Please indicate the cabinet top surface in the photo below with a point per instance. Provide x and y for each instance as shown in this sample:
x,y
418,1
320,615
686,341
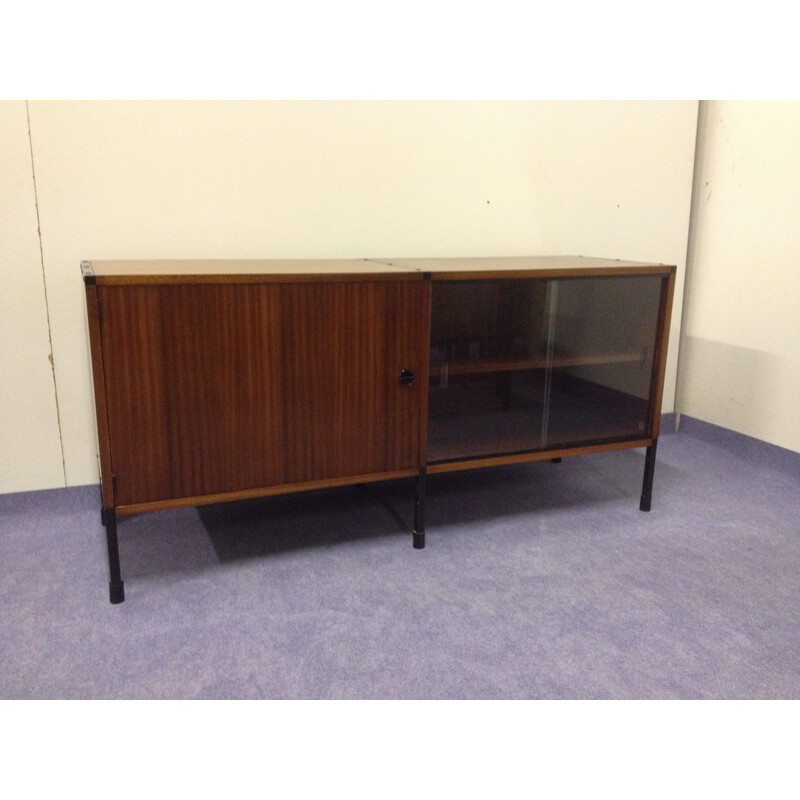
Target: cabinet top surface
x,y
227,267
523,264
224,270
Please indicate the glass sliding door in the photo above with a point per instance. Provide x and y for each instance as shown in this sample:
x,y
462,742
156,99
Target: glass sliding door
x,y
488,355
601,362
525,364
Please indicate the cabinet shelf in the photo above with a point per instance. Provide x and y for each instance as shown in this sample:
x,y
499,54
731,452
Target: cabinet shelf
x,y
490,365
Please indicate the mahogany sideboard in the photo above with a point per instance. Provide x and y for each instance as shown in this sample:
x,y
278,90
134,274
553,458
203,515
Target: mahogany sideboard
x,y
224,380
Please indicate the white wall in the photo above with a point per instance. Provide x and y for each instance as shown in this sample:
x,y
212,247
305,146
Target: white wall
x,y
328,179
740,357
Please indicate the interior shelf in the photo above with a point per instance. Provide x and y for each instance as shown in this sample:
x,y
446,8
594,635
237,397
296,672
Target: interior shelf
x,y
489,365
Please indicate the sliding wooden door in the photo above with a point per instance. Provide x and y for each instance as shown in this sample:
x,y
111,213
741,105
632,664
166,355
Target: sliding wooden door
x,y
215,388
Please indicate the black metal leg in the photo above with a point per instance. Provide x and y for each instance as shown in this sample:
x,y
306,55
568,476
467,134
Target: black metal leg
x,y
419,510
647,483
116,588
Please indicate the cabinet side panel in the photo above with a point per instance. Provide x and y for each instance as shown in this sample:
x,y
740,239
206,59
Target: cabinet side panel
x,y
660,365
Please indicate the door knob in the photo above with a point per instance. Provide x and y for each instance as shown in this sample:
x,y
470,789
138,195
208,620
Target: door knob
x,y
406,377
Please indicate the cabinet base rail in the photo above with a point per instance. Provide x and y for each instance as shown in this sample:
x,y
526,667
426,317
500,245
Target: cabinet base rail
x,y
108,517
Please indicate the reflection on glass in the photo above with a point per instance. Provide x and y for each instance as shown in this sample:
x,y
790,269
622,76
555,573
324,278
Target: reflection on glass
x,y
530,364
602,364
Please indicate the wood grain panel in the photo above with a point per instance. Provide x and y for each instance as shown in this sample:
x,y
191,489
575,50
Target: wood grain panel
x,y
99,388
542,455
215,389
406,335
135,391
223,390
193,389
345,345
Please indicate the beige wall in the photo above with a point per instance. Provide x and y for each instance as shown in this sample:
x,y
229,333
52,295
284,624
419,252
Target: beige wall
x,y
311,179
740,355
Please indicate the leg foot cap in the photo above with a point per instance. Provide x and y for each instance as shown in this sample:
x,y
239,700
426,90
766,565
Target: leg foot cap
x,y
116,592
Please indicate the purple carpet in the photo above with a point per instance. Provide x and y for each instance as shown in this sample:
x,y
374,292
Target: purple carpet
x,y
537,581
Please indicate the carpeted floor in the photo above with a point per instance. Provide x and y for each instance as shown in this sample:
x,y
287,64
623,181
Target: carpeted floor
x,y
537,581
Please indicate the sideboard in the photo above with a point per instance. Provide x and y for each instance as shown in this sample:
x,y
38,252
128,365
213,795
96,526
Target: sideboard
x,y
220,380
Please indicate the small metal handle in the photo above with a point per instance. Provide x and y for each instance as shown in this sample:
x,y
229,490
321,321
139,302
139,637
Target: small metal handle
x,y
406,377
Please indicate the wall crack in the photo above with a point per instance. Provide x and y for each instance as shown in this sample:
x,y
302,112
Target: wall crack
x,y
46,300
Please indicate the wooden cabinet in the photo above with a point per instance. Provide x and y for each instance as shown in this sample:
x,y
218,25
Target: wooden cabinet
x,y
222,380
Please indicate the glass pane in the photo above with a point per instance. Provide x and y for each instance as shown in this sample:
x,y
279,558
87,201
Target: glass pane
x,y
604,336
488,367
